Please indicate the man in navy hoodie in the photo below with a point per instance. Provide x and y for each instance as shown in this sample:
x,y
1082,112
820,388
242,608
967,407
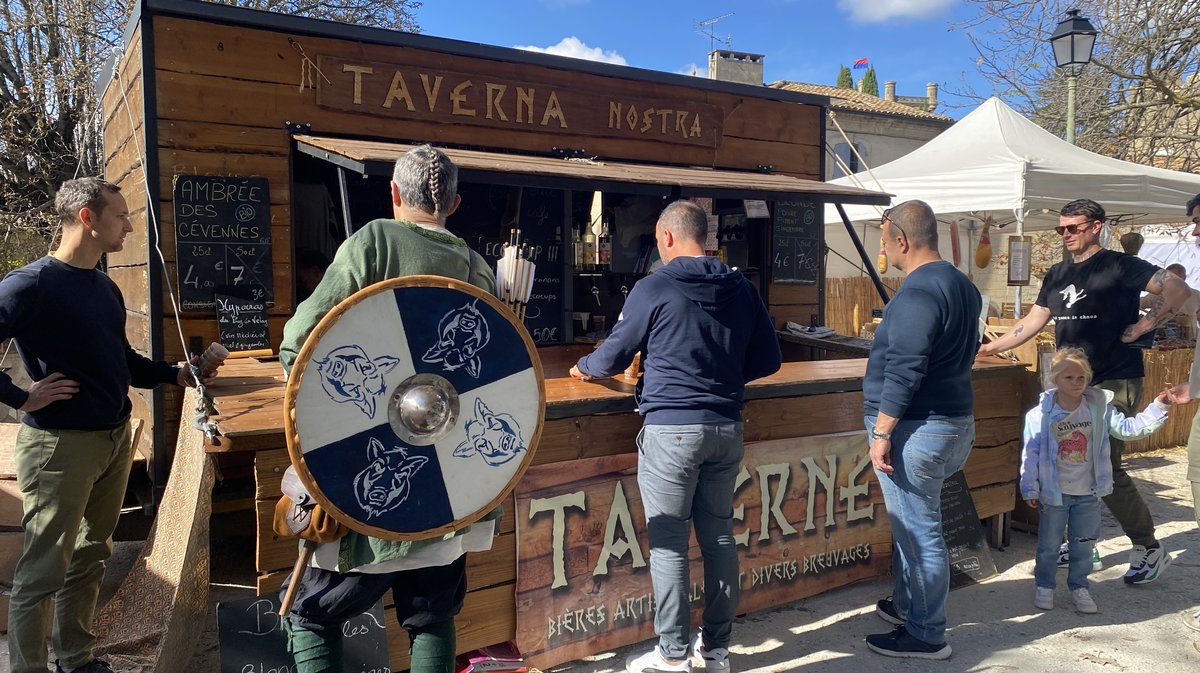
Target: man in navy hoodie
x,y
704,332
918,409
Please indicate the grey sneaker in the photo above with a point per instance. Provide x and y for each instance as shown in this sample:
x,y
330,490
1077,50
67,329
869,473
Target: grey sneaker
x,y
653,662
1043,598
1146,564
715,660
1083,601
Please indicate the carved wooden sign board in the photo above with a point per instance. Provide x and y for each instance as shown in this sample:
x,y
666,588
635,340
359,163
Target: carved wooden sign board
x,y
808,516
222,238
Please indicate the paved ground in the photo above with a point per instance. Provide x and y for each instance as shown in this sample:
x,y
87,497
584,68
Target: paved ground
x,y
995,627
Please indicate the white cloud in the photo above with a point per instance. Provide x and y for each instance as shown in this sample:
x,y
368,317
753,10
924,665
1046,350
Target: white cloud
x,y
573,47
694,70
874,11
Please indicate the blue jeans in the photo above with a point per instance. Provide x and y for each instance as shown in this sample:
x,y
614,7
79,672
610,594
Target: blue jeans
x,y
686,475
924,453
1079,517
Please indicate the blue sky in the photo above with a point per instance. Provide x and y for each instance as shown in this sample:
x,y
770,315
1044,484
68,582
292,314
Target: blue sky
x,y
909,41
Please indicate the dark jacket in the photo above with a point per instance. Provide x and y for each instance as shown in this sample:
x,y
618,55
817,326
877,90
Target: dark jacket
x,y
704,332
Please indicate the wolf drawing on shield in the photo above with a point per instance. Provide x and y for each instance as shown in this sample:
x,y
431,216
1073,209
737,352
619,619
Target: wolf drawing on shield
x,y
385,483
462,333
496,437
348,374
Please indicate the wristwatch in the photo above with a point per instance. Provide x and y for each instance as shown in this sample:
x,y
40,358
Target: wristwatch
x,y
875,434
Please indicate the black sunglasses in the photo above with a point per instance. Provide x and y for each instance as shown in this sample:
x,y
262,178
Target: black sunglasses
x,y
887,217
1073,228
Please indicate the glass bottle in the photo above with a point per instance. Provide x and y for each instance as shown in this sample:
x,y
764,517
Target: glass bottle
x,y
589,249
604,245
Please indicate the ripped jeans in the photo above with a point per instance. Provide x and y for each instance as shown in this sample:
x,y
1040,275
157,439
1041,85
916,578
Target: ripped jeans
x,y
1079,517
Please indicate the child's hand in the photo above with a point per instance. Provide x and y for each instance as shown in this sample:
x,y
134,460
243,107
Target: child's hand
x,y
1164,397
1032,503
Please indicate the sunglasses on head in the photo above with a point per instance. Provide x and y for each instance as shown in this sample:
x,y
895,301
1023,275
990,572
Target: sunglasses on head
x,y
1062,229
887,218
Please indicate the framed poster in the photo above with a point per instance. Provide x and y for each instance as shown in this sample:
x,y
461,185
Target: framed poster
x,y
1020,249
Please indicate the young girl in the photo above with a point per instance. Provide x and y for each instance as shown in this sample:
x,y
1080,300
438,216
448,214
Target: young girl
x,y
1065,466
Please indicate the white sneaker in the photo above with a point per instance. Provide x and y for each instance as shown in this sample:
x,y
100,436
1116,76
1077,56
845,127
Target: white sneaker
x,y
715,660
653,662
1064,555
1083,601
1043,598
1146,564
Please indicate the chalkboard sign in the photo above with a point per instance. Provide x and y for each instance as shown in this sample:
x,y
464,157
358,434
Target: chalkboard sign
x,y
222,237
251,637
970,558
241,322
540,219
796,242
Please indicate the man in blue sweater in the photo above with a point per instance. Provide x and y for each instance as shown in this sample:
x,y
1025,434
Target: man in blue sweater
x,y
918,406
73,450
705,333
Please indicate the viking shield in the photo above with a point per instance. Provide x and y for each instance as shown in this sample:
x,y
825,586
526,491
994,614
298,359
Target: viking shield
x,y
414,407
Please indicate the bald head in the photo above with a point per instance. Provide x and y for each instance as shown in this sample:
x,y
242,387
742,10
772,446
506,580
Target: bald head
x,y
917,221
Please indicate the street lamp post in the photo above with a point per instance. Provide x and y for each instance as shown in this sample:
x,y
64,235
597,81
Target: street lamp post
x,y
1072,41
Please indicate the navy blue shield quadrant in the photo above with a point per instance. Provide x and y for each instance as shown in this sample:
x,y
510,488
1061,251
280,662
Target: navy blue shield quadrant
x,y
459,337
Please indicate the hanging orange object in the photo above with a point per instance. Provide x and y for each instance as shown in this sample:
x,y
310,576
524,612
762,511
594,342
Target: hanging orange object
x,y
955,252
983,253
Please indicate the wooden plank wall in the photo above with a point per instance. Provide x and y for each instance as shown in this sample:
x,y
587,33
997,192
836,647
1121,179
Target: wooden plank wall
x,y
123,127
224,93
488,616
793,302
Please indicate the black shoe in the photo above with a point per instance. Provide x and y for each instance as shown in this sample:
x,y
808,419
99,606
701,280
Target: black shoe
x,y
886,609
93,666
900,643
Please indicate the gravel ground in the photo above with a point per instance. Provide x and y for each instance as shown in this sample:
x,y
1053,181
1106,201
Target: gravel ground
x,y
994,626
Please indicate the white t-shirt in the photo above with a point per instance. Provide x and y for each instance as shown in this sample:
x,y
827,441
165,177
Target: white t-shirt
x,y
1073,433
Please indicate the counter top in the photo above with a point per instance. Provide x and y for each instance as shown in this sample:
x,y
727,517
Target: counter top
x,y
248,393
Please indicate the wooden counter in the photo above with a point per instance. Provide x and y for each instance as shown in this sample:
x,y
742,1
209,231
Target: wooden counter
x,y
589,423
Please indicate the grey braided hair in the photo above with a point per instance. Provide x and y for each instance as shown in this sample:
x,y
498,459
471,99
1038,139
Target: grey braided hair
x,y
427,179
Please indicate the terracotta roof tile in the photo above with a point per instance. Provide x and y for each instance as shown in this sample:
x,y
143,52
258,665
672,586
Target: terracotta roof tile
x,y
850,99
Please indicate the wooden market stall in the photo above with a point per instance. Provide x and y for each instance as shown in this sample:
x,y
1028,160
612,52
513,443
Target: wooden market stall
x,y
248,142
245,142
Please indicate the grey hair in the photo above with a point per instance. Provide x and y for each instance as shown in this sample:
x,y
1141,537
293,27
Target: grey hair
x,y
74,195
918,222
427,179
686,220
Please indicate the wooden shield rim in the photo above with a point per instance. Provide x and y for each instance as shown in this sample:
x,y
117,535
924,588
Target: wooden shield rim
x,y
296,375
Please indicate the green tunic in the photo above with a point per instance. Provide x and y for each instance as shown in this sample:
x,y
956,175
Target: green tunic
x,y
381,250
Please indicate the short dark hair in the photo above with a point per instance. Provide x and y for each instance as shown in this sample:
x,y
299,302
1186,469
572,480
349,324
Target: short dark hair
x,y
1086,207
918,222
686,220
1191,205
1178,269
80,193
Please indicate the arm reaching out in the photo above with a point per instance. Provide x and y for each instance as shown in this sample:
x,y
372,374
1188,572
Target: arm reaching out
x,y
1023,331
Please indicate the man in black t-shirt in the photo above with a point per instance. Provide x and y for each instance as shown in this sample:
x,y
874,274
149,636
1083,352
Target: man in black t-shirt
x,y
1093,299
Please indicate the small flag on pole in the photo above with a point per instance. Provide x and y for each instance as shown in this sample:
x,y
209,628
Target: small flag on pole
x,y
861,63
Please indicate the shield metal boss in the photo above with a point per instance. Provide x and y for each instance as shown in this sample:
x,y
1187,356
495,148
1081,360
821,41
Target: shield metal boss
x,y
414,407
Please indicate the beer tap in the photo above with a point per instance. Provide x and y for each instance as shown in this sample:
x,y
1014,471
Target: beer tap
x,y
624,294
596,293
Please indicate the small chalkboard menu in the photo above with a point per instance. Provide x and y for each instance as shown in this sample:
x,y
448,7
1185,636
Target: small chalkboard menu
x,y
251,637
241,322
970,558
222,237
796,241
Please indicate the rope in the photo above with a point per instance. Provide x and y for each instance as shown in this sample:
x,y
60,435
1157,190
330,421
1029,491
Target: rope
x,y
204,409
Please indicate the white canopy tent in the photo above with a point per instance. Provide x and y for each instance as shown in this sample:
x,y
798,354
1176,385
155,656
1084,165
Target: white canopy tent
x,y
996,162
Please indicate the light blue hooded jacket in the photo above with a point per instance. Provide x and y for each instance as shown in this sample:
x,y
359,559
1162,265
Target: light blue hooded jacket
x,y
1039,457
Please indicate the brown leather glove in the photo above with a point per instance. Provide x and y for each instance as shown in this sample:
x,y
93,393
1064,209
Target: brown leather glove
x,y
309,522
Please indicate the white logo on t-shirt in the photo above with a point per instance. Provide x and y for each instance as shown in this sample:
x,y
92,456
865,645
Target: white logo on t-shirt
x,y
1071,295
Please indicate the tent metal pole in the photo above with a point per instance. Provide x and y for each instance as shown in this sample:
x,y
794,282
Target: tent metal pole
x,y
1017,312
862,252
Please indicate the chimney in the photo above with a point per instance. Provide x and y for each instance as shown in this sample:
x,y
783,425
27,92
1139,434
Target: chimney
x,y
735,66
931,92
889,90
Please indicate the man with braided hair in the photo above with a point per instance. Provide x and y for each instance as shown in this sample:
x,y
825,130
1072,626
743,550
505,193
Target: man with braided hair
x,y
427,578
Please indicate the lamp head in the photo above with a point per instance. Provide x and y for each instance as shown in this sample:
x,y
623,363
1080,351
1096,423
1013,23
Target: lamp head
x,y
1072,41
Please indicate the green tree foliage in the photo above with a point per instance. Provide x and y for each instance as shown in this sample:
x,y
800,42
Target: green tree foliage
x,y
51,53
869,83
845,80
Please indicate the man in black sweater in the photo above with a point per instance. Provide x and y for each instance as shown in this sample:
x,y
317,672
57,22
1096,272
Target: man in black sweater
x,y
705,333
73,450
918,406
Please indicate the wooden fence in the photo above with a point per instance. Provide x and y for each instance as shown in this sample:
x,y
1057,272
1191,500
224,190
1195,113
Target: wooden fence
x,y
847,297
1166,367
